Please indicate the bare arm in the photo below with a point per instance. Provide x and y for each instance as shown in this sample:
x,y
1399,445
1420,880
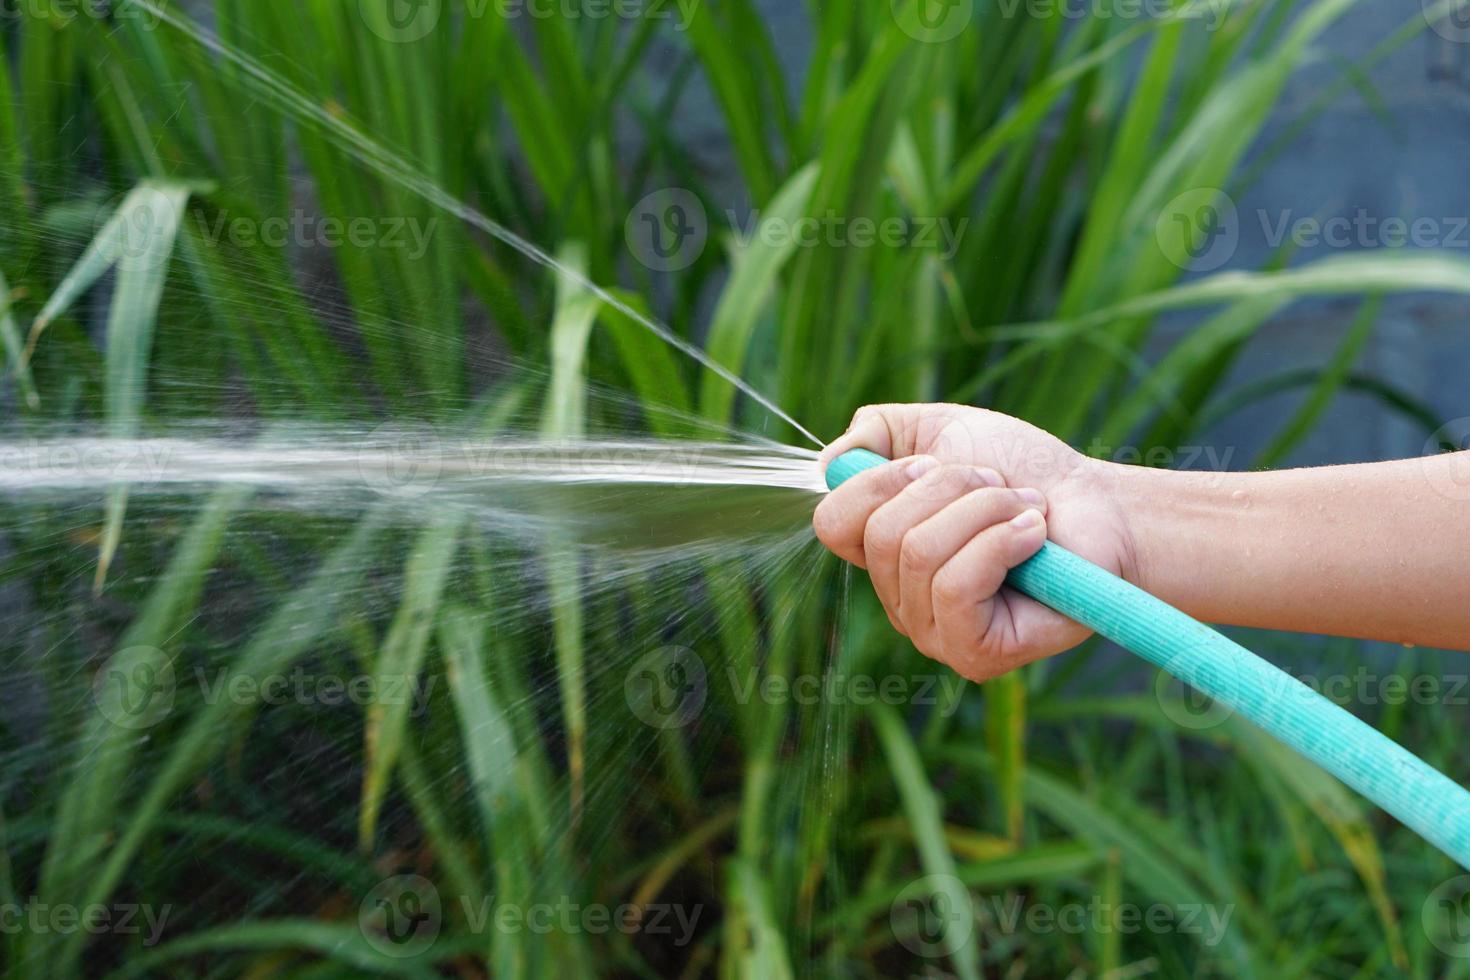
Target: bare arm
x,y
1374,550
1378,550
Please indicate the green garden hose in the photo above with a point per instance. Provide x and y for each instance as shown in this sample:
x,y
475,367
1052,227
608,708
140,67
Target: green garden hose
x,y
1422,798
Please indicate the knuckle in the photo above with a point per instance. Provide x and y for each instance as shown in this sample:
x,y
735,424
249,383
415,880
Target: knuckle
x,y
945,482
917,552
826,522
959,478
950,592
880,538
996,503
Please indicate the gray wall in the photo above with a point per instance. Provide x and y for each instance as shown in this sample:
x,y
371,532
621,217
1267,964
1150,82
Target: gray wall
x,y
1401,156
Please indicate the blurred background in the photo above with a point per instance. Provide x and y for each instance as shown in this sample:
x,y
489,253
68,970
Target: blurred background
x,y
393,722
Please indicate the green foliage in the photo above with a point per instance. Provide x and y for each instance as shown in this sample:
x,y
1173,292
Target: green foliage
x,y
1051,151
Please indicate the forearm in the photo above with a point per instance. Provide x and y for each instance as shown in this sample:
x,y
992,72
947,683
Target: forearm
x,y
1379,551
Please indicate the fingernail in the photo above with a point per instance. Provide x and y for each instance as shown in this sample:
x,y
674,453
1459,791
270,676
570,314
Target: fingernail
x,y
1027,520
990,477
920,466
1031,496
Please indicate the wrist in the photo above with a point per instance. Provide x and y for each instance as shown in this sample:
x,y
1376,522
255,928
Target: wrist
x,y
1191,535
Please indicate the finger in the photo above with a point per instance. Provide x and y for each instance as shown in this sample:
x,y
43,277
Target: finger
x,y
927,547
888,430
920,500
965,588
843,514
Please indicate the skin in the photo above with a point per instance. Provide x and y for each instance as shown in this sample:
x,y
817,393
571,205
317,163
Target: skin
x,y
1376,551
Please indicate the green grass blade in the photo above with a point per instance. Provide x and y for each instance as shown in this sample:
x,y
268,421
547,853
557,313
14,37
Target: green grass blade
x,y
1005,735
565,418
756,947
300,620
1332,378
1340,812
151,222
922,805
399,663
754,269
15,357
652,367
106,752
341,942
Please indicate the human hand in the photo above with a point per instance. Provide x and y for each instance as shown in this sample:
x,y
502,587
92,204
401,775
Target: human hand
x,y
970,494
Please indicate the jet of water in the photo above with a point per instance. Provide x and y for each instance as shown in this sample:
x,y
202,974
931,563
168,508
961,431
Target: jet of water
x,y
629,495
404,461
397,168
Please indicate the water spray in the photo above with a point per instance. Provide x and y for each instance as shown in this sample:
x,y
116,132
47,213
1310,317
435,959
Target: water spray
x,y
1421,797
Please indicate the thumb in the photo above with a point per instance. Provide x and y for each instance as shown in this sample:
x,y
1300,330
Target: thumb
x,y
893,431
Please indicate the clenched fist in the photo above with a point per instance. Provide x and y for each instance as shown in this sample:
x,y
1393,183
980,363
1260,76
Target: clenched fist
x,y
970,494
